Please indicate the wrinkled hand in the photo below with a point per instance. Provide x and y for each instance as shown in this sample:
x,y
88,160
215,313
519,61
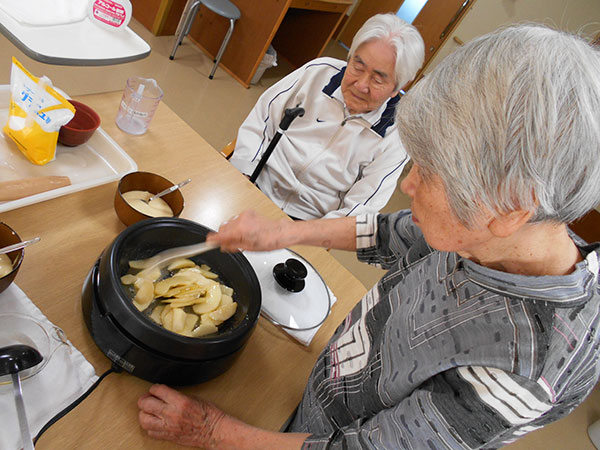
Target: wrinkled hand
x,y
250,231
171,416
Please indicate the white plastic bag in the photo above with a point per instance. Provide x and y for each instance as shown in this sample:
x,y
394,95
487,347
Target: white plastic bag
x,y
269,60
35,114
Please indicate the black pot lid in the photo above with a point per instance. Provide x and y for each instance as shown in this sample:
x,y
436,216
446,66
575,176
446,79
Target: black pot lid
x,y
294,296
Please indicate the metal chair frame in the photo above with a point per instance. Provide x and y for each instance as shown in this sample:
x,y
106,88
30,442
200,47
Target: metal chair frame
x,y
185,25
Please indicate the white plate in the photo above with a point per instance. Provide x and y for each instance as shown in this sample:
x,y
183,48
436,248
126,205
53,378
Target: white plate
x,y
302,310
99,161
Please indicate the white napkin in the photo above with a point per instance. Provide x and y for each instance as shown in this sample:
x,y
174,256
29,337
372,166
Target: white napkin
x,y
306,337
45,12
64,379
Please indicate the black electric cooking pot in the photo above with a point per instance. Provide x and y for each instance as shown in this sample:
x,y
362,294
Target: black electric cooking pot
x,y
140,346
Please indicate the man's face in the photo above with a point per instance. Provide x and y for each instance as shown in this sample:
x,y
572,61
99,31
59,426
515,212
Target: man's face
x,y
432,214
369,80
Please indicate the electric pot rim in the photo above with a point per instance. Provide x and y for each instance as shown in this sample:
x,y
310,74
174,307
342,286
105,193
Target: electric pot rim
x,y
122,310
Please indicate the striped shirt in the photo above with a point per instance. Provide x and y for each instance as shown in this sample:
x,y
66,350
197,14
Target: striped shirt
x,y
446,354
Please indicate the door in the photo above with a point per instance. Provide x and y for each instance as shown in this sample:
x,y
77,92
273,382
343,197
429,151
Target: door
x,y
435,21
361,12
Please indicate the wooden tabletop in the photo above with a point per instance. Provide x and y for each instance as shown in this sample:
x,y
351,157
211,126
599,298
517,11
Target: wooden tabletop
x,y
266,382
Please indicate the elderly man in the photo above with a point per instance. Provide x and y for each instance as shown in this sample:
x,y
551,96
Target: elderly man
x,y
485,327
344,156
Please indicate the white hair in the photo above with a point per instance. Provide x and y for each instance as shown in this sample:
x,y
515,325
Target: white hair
x,y
511,121
402,36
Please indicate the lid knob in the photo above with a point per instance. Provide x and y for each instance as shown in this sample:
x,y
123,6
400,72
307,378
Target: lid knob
x,y
290,275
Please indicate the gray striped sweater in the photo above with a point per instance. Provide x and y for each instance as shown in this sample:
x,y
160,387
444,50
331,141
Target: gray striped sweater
x,y
446,354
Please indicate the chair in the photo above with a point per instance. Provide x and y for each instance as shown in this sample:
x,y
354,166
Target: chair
x,y
227,151
223,8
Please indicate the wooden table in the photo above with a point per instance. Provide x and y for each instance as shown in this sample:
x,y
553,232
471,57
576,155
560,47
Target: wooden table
x,y
298,29
265,383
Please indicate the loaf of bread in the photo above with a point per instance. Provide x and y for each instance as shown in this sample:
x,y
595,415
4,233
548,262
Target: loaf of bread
x,y
15,189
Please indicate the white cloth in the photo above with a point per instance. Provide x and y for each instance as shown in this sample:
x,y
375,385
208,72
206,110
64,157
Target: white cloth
x,y
327,164
306,337
45,12
65,377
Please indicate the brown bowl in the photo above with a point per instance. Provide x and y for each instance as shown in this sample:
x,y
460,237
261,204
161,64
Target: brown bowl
x,y
81,127
144,181
9,237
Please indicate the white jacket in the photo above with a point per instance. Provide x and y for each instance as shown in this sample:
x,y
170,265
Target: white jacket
x,y
328,164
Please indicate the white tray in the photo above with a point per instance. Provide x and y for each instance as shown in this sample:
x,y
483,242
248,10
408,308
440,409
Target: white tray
x,y
99,161
79,43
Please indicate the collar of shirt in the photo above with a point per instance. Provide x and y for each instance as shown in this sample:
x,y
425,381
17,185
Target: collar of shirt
x,y
567,290
372,116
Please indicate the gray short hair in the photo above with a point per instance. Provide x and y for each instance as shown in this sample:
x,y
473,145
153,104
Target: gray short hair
x,y
511,121
402,36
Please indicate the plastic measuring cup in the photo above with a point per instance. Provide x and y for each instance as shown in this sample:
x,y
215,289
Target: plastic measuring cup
x,y
140,100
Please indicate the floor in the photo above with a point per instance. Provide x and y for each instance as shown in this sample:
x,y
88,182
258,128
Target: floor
x,y
215,109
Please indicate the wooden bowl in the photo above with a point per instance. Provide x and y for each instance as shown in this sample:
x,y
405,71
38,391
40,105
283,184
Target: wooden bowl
x,y
81,127
8,237
144,181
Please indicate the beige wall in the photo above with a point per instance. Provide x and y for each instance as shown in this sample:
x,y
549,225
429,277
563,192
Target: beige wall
x,y
581,16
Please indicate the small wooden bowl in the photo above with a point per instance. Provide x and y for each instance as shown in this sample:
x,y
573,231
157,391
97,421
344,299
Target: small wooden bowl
x,y
144,181
8,237
81,127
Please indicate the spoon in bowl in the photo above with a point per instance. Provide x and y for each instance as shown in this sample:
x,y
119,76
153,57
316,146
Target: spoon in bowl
x,y
14,359
18,245
168,190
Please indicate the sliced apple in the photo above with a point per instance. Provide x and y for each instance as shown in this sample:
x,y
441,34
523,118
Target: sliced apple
x,y
181,263
223,313
128,279
204,329
213,299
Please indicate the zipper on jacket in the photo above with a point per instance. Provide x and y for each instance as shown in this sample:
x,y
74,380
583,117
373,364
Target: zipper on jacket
x,y
332,140
329,144
346,119
339,130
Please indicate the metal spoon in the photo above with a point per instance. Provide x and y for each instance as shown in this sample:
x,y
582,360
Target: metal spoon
x,y
18,245
14,359
169,190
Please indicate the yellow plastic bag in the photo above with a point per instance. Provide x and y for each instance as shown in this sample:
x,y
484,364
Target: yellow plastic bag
x,y
35,115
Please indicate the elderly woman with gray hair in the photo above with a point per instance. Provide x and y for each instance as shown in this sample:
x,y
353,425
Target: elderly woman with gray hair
x,y
343,157
485,326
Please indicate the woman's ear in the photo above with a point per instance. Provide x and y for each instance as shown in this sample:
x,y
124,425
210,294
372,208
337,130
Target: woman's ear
x,y
506,224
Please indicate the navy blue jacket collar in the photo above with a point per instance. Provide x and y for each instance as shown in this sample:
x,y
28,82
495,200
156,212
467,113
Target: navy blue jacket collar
x,y
387,117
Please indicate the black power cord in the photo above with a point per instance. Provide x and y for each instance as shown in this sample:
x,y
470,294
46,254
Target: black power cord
x,y
81,398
